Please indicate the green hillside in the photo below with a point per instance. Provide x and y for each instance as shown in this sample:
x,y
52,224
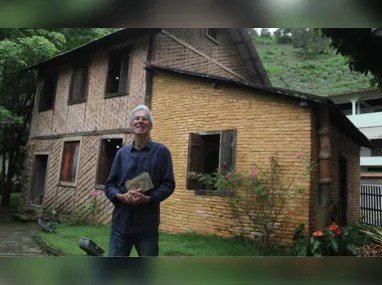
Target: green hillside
x,y
320,75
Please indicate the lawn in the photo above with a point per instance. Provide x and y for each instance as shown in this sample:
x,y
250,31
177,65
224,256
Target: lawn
x,y
67,237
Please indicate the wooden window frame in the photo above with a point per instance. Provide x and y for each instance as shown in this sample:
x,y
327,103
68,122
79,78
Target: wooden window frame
x,y
108,137
231,158
125,63
85,79
42,92
63,183
211,38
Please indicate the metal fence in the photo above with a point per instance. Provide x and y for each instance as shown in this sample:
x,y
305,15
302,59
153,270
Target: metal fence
x,y
371,204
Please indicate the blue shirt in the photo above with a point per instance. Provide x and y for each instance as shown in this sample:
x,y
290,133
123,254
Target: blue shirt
x,y
129,162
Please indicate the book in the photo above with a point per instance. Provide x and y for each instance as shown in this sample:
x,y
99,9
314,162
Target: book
x,y
142,181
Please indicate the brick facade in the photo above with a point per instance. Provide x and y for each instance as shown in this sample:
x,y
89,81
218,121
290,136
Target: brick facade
x,y
265,125
342,145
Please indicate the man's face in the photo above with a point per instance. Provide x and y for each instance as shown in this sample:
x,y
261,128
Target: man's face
x,y
141,124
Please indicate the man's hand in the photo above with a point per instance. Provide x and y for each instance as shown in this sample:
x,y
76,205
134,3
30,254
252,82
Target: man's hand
x,y
134,197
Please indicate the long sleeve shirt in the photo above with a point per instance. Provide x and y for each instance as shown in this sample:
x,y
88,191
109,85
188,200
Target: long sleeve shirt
x,y
129,162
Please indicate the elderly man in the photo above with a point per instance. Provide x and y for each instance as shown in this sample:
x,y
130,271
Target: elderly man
x,y
136,215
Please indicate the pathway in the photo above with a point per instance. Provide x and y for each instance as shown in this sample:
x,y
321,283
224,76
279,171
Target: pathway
x,y
16,239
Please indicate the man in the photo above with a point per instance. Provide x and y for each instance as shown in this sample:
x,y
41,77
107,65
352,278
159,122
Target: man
x,y
136,215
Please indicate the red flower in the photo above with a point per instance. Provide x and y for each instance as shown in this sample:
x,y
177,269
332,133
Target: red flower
x,y
95,194
335,228
225,163
298,156
318,234
229,190
228,175
315,222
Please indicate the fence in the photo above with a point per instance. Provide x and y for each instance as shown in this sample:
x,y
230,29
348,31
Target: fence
x,y
371,204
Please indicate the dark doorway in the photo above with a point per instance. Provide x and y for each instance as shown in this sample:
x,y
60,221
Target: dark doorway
x,y
343,190
38,179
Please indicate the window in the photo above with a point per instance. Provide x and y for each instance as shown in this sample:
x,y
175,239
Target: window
x,y
209,152
212,34
109,148
47,92
118,73
69,161
79,84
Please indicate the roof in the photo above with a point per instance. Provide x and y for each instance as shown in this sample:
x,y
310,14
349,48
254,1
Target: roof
x,y
371,175
105,42
240,38
370,90
337,117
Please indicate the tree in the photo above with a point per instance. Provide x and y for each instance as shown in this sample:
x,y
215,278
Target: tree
x,y
265,34
360,47
20,48
253,33
306,39
283,36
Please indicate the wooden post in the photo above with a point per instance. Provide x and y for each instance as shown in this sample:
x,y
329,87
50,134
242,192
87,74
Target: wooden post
x,y
325,158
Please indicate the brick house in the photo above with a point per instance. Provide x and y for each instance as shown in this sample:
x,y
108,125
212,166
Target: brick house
x,y
83,97
205,88
221,120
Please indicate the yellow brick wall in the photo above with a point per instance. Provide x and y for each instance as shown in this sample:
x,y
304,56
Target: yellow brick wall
x,y
264,124
340,143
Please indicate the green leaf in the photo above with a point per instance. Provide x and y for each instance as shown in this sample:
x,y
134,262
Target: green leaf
x,y
333,243
302,251
316,245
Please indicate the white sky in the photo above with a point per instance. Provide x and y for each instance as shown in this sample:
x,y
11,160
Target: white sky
x,y
271,29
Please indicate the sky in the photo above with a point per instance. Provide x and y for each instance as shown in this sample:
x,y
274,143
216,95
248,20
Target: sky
x,y
271,29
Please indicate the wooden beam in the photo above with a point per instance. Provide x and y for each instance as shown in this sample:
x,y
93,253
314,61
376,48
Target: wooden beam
x,y
83,134
202,54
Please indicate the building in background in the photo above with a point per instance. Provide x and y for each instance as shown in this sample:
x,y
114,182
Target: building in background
x,y
364,109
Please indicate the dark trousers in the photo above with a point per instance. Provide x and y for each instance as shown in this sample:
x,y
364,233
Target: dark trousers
x,y
146,244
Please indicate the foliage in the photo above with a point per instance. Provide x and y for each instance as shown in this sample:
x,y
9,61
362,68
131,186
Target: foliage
x,y
7,118
257,198
375,248
319,74
332,240
361,49
283,36
307,40
265,34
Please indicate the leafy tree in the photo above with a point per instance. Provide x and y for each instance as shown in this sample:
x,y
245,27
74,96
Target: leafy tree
x,y
265,34
307,39
283,36
360,47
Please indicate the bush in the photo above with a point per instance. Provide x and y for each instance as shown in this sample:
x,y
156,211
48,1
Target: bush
x,y
256,197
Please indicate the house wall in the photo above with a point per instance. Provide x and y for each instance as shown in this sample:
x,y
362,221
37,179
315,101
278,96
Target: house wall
x,y
64,199
172,53
97,113
265,125
342,144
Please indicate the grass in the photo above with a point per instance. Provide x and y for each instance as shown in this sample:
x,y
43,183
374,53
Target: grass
x,y
14,201
66,241
318,74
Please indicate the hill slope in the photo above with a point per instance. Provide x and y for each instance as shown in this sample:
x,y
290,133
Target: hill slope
x,y
320,75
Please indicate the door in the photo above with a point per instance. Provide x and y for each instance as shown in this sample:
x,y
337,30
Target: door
x,y
39,179
343,190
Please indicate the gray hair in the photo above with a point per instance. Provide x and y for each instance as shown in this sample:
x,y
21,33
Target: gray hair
x,y
141,108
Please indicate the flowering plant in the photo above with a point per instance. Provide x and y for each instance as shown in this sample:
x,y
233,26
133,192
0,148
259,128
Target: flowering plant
x,y
319,243
257,197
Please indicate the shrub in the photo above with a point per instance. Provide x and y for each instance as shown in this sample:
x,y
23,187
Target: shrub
x,y
256,197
